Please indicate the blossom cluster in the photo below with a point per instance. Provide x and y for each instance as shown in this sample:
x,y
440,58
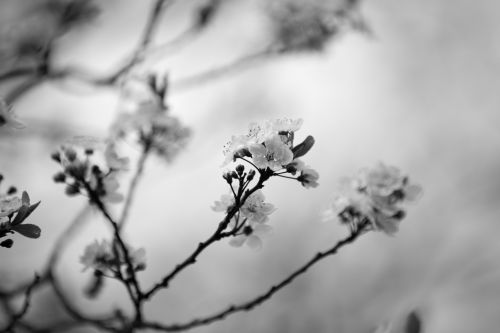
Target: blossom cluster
x,y
305,25
270,147
150,123
373,199
101,256
249,225
13,212
90,167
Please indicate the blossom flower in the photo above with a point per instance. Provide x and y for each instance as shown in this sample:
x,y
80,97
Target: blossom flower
x,y
9,204
155,128
255,209
251,235
7,117
374,198
272,154
257,134
83,171
100,256
308,177
305,25
97,255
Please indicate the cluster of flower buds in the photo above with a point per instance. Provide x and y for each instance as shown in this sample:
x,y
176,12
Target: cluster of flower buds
x,y
105,257
306,25
90,167
271,150
149,122
373,199
7,116
249,224
13,212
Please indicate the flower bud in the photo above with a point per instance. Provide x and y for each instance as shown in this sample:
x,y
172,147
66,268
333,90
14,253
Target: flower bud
x,y
11,190
234,175
227,177
72,190
239,169
56,156
247,230
70,154
59,177
251,174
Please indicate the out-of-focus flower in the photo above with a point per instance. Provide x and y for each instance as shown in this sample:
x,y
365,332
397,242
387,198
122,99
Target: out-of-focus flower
x,y
272,153
306,25
251,235
90,166
151,125
7,116
100,256
374,198
255,209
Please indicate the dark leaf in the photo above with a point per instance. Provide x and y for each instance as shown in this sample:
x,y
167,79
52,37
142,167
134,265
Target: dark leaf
x,y
302,149
413,323
23,213
28,230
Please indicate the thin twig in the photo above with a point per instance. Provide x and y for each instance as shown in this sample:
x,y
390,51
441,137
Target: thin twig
x,y
216,236
220,72
249,305
27,298
133,186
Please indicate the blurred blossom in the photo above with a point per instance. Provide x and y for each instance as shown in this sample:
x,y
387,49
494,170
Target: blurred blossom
x,y
147,120
308,177
90,166
305,25
251,236
7,116
374,197
255,209
100,256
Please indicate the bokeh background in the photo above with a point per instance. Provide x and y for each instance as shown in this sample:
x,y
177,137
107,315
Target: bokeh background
x,y
420,91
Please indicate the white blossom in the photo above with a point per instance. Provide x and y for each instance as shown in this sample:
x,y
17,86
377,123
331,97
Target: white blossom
x,y
273,153
97,255
255,209
252,236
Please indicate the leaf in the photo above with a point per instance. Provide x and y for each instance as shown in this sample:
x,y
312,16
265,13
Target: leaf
x,y
23,213
413,323
302,148
28,230
25,199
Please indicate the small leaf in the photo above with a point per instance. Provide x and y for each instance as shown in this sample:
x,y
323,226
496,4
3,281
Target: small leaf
x,y
23,213
25,199
413,323
302,149
28,230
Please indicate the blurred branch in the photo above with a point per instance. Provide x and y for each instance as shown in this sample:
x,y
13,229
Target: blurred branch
x,y
133,185
249,305
27,298
220,72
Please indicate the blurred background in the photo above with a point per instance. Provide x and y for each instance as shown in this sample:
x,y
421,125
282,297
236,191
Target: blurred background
x,y
411,83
